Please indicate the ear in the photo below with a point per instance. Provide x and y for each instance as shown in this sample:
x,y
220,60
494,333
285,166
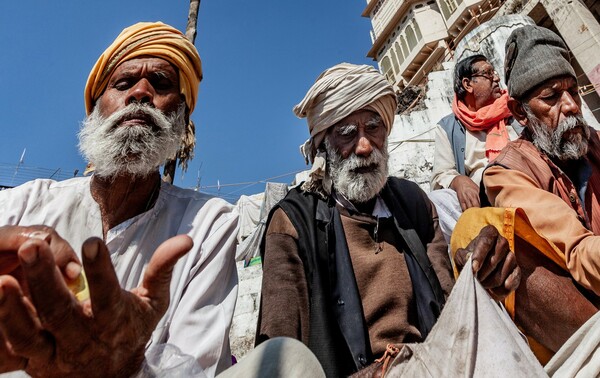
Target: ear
x,y
466,83
516,108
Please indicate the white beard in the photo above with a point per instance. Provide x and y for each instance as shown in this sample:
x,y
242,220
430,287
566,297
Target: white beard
x,y
136,150
554,143
357,187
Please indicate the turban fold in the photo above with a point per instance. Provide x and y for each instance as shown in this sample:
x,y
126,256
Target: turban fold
x,y
340,91
151,39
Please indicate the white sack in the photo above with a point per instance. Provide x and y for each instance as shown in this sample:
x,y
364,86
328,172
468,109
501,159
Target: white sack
x,y
474,337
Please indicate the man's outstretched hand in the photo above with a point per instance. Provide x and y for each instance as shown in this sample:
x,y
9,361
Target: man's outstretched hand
x,y
12,237
49,333
493,263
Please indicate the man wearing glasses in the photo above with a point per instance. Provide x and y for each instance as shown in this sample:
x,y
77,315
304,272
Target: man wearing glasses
x,y
469,138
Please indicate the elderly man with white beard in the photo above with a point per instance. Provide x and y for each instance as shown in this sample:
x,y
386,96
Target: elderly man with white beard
x,y
552,172
130,230
354,260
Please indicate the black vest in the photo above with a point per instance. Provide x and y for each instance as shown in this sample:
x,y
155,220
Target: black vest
x,y
338,333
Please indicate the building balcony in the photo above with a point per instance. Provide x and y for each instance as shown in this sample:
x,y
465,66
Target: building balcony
x,y
383,12
385,15
462,16
415,46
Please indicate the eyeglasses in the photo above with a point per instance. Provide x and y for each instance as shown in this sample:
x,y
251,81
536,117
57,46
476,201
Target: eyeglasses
x,y
490,75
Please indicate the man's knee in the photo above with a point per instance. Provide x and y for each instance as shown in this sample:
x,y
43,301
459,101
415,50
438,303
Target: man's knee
x,y
277,357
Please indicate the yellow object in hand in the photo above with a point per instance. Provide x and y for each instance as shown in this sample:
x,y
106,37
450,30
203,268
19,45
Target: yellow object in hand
x,y
79,288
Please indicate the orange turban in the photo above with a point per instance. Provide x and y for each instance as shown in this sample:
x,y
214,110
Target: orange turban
x,y
153,39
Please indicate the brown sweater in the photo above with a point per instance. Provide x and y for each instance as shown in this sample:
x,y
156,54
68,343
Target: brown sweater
x,y
381,275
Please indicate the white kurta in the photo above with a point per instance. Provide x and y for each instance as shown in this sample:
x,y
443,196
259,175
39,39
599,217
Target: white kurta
x,y
204,285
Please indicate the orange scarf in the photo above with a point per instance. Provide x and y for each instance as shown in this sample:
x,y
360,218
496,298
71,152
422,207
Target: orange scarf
x,y
490,118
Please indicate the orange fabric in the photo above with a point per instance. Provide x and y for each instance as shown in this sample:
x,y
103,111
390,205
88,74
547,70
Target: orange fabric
x,y
153,39
512,223
530,180
490,118
542,353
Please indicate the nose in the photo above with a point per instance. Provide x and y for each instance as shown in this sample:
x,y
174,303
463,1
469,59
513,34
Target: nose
x,y
142,92
569,104
363,147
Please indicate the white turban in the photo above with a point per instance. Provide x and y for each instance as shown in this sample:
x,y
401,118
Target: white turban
x,y
338,92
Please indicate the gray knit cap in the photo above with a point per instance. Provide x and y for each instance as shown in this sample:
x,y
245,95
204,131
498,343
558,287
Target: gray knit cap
x,y
533,55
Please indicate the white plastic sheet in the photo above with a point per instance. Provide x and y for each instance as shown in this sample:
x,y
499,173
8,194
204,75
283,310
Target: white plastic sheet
x,y
167,361
254,211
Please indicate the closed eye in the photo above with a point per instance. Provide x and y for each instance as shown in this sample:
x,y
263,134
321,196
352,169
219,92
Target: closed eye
x,y
122,84
551,96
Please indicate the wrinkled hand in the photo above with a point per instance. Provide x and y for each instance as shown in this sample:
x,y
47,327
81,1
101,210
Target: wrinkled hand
x,y
51,334
12,237
493,263
466,191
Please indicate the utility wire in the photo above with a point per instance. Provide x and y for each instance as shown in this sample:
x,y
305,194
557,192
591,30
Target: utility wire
x,y
263,181
11,176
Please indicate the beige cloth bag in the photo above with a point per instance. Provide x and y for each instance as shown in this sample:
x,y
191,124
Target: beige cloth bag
x,y
580,355
474,337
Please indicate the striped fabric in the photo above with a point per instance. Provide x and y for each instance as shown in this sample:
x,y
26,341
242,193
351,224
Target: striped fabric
x,y
523,156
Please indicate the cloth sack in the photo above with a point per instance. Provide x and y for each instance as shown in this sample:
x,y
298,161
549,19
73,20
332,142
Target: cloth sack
x,y
580,355
513,224
474,337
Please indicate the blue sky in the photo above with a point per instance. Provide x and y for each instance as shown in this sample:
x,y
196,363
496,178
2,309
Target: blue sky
x,y
259,59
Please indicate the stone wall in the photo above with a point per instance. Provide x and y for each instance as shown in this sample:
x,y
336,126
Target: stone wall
x,y
243,329
411,143
489,39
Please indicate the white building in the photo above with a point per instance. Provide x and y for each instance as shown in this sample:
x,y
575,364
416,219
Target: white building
x,y
412,37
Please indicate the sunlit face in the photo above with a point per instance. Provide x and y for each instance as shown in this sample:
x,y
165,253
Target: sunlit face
x,y
357,157
485,83
358,133
149,80
553,112
554,100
